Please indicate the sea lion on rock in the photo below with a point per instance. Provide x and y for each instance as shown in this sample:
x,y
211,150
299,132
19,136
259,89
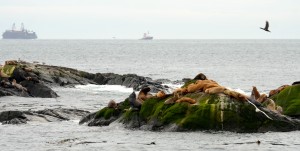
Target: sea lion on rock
x,y
143,94
273,92
271,105
18,86
262,98
255,94
133,101
161,94
112,104
171,100
215,90
180,91
186,99
200,76
236,95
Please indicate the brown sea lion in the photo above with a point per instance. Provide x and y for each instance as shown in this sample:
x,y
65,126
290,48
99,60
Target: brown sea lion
x,y
255,93
143,94
171,100
236,95
161,94
186,99
273,92
112,104
18,86
215,90
262,98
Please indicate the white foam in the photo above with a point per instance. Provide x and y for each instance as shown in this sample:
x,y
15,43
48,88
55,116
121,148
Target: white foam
x,y
110,88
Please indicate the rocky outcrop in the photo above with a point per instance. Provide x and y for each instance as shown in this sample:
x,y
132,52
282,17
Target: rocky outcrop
x,y
46,115
211,112
52,76
289,100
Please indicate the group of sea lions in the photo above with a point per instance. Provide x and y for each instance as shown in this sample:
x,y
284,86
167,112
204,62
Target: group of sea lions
x,y
202,84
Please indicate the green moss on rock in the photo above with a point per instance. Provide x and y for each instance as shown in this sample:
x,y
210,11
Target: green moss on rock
x,y
106,113
289,100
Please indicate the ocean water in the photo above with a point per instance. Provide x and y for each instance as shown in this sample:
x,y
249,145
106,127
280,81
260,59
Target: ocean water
x,y
239,64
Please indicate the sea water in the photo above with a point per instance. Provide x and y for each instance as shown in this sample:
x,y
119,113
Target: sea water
x,y
238,64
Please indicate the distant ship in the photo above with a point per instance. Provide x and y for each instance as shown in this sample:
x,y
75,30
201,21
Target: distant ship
x,y
19,34
147,37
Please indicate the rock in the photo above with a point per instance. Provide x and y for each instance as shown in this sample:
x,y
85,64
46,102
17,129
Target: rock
x,y
212,112
38,90
46,115
289,100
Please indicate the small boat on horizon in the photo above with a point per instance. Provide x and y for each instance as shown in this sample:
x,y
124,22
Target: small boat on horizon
x,y
19,34
147,36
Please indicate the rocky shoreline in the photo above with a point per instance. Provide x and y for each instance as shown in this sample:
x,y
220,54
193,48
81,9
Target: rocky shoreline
x,y
53,76
219,111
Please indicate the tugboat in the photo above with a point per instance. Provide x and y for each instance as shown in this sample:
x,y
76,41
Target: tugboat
x,y
19,34
147,36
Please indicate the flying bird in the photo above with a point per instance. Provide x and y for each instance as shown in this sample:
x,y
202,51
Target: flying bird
x,y
266,27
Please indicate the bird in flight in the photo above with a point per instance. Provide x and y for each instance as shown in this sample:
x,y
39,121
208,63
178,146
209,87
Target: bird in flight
x,y
266,27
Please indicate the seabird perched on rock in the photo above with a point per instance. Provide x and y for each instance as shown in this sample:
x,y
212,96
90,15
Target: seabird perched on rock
x,y
266,27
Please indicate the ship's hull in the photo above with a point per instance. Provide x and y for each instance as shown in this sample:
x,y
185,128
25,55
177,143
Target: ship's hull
x,y
147,38
19,35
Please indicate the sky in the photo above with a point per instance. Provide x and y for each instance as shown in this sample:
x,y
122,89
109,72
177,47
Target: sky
x,y
164,19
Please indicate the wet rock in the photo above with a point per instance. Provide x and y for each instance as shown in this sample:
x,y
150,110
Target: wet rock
x,y
38,90
46,115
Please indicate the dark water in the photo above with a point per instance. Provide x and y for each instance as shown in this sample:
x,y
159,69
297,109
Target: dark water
x,y
241,64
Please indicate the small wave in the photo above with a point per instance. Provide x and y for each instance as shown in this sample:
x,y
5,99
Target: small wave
x,y
97,88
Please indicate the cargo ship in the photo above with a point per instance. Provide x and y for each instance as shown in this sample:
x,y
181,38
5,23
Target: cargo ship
x,y
19,34
147,37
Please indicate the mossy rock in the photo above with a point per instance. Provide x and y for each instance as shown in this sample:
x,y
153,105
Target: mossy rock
x,y
289,100
106,113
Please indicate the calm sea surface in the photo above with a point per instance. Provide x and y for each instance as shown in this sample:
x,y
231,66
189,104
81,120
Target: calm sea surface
x,y
239,64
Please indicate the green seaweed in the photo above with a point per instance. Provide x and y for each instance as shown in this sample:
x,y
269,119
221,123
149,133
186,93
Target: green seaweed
x,y
289,100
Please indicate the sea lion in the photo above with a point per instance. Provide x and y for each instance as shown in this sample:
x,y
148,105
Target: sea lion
x,y
171,100
200,76
161,94
296,82
133,101
236,95
143,94
271,105
186,99
112,104
215,90
273,92
262,98
18,86
255,94
279,109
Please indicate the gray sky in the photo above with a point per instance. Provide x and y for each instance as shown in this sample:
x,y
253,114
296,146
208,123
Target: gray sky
x,y
165,19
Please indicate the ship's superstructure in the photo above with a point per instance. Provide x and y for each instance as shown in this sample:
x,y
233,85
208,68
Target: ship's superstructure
x,y
19,34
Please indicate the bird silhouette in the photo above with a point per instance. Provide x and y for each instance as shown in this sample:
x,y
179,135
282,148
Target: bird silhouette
x,y
266,27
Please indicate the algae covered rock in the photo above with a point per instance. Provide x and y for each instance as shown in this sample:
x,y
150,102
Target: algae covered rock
x,y
211,112
289,100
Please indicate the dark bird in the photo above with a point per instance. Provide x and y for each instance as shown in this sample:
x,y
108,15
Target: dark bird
x,y
266,27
